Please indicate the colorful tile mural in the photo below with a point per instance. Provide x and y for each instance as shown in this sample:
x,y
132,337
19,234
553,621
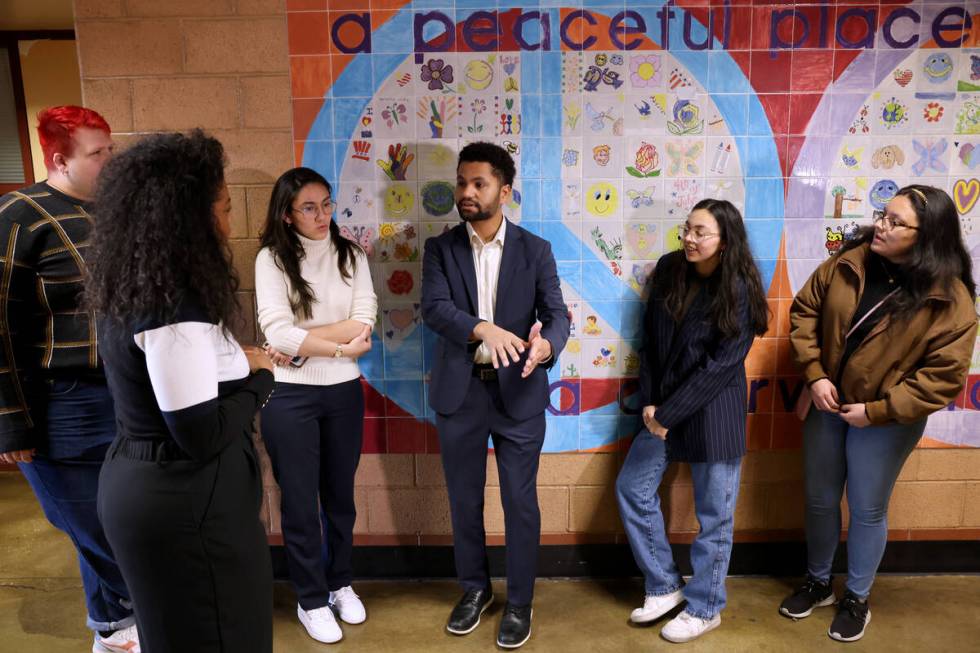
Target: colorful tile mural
x,y
621,116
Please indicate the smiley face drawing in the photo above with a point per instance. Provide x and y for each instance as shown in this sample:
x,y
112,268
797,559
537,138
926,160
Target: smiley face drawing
x,y
399,200
602,200
938,67
478,74
881,192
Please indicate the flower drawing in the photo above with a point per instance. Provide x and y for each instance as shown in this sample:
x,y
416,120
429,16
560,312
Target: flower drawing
x,y
437,73
647,162
687,119
477,106
933,112
645,70
400,282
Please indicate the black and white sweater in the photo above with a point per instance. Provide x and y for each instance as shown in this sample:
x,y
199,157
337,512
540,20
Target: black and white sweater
x,y
187,380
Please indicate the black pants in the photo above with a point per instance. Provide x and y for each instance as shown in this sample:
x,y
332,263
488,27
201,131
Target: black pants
x,y
313,434
194,554
517,446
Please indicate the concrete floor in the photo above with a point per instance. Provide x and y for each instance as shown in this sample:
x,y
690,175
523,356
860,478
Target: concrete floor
x,y
41,608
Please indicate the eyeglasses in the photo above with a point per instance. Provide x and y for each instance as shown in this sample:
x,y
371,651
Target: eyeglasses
x,y
698,236
312,211
888,223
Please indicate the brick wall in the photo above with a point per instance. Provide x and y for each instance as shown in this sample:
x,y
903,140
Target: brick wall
x,y
223,65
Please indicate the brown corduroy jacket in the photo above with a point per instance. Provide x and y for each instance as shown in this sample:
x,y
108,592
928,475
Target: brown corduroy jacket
x,y
903,370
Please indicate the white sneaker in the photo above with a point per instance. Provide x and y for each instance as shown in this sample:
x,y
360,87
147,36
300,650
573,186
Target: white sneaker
x,y
320,624
126,640
685,627
348,605
655,607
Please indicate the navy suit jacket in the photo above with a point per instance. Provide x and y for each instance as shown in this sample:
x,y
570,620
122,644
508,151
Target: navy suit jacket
x,y
527,290
693,374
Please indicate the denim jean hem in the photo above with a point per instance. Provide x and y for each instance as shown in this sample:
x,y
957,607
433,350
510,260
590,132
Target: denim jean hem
x,y
700,615
823,578
104,626
862,596
666,592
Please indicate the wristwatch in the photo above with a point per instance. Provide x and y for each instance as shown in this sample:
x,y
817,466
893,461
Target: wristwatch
x,y
339,352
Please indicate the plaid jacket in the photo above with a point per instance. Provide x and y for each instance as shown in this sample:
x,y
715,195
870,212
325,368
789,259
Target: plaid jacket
x,y
43,332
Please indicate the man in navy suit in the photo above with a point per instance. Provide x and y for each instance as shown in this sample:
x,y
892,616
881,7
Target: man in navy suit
x,y
485,285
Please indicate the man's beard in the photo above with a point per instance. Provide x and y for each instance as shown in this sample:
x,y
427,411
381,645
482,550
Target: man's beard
x,y
478,216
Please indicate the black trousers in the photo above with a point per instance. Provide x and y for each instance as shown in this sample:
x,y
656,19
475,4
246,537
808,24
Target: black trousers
x,y
188,539
313,434
517,446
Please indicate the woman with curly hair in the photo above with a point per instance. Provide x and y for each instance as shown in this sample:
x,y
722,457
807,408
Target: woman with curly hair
x,y
180,490
315,299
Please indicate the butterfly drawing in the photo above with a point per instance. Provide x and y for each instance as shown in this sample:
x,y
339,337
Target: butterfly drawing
x,y
683,159
930,155
598,118
637,198
360,234
510,84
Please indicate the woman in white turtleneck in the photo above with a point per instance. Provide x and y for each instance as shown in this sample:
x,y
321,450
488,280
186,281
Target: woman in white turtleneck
x,y
316,307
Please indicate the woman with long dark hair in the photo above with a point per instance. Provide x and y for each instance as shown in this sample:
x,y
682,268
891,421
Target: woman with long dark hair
x,y
180,490
317,307
883,332
705,307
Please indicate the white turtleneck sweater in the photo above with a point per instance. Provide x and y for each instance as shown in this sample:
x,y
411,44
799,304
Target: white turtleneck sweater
x,y
336,300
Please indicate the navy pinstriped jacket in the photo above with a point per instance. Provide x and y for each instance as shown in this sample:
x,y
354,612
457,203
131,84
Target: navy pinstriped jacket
x,y
693,374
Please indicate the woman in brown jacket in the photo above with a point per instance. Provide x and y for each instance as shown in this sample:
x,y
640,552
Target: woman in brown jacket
x,y
883,333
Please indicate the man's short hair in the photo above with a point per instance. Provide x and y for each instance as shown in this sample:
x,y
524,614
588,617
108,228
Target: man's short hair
x,y
499,159
57,125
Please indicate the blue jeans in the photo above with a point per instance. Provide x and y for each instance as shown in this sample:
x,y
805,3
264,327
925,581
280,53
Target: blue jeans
x,y
715,495
868,460
77,423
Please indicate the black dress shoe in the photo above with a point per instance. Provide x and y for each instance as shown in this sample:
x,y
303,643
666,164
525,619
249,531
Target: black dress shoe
x,y
515,626
466,615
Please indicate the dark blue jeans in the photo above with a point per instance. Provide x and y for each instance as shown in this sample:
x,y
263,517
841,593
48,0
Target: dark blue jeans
x,y
867,460
77,423
313,435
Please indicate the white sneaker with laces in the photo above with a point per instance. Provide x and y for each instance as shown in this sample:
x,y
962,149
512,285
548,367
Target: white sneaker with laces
x,y
126,640
348,605
655,607
685,627
320,624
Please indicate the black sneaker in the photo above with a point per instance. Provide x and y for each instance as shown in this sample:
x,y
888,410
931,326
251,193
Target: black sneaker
x,y
853,616
465,617
515,626
811,594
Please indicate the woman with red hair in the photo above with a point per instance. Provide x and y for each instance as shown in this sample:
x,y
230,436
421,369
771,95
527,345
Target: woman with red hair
x,y
56,414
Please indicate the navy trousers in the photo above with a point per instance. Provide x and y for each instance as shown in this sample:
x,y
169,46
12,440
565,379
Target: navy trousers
x,y
517,445
313,434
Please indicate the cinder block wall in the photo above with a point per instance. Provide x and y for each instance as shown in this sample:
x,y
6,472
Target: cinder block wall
x,y
151,65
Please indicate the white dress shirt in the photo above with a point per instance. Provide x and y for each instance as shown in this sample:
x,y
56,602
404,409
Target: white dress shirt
x,y
486,262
